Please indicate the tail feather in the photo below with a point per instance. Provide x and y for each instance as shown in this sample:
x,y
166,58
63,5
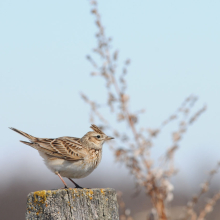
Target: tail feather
x,y
28,143
42,149
35,143
31,138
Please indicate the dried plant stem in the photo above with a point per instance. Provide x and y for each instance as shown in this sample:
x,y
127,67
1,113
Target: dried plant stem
x,y
136,154
209,206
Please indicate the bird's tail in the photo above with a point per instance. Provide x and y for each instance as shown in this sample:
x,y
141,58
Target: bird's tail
x,y
31,138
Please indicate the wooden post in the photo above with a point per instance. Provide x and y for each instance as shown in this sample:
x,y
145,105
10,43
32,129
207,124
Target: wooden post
x,y
68,204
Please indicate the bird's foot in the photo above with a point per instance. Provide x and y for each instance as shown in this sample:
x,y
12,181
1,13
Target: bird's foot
x,y
78,187
65,187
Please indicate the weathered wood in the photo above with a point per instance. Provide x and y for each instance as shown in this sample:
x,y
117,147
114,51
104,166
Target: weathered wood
x,y
68,204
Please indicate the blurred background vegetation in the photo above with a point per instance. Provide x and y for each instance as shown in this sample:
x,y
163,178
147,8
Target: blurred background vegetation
x,y
150,57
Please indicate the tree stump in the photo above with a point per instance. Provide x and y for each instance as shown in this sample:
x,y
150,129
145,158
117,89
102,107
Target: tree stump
x,y
68,204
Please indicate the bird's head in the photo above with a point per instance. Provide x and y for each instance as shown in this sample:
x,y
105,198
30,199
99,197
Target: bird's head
x,y
95,139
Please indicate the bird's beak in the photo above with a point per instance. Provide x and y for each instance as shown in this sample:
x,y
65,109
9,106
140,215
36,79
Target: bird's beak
x,y
108,138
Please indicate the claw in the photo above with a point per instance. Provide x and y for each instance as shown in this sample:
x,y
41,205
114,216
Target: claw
x,y
76,185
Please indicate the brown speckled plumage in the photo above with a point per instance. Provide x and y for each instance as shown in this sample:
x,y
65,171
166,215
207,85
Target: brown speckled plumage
x,y
70,157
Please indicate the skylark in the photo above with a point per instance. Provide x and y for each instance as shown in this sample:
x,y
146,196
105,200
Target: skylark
x,y
69,156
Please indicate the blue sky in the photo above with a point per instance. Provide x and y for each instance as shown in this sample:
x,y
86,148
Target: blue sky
x,y
174,48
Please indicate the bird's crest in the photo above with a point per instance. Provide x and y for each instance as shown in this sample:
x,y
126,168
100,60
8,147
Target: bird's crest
x,y
96,129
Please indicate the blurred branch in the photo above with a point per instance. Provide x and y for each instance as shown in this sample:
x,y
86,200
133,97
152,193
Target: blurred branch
x,y
136,155
195,200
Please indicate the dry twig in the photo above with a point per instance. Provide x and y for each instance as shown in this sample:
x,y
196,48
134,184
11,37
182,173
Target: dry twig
x,y
137,153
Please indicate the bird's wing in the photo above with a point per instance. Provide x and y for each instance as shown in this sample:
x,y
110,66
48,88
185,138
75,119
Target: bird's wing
x,y
73,139
68,148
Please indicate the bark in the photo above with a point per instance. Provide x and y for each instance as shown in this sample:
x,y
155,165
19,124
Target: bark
x,y
77,204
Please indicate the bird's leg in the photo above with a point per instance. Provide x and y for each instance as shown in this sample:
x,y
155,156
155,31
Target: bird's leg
x,y
62,180
76,185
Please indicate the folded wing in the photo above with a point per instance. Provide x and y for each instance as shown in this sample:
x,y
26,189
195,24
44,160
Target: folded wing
x,y
68,148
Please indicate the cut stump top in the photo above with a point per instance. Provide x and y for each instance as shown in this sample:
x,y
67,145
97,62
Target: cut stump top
x,y
77,204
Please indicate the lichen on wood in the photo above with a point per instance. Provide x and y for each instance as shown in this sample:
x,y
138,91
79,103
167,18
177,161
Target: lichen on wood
x,y
68,204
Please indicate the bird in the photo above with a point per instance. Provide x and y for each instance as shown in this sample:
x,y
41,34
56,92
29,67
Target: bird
x,y
70,157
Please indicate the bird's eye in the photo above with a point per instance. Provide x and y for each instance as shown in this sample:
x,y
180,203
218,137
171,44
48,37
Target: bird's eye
x,y
98,136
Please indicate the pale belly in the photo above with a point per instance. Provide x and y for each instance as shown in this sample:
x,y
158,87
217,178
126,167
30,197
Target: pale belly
x,y
69,169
